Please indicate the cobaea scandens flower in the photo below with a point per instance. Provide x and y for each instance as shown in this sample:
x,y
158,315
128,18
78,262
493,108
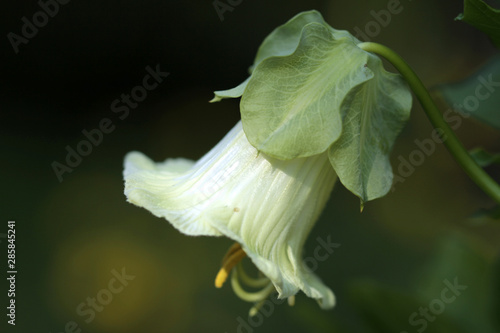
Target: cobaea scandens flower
x,y
267,206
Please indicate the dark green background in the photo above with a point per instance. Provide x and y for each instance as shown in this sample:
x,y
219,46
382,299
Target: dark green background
x,y
393,257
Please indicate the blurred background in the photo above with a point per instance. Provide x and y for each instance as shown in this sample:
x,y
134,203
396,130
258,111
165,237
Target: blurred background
x,y
76,232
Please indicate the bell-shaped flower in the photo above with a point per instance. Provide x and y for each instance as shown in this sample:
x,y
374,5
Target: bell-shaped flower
x,y
315,106
266,205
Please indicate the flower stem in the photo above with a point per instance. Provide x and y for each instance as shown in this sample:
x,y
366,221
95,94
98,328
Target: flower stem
x,y
475,172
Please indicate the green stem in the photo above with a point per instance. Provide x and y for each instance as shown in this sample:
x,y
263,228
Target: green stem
x,y
475,172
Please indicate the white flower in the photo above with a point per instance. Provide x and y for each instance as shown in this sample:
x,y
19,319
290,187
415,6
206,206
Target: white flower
x,y
268,206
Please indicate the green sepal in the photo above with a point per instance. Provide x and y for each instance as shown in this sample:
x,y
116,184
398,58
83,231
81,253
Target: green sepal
x,y
313,90
282,41
291,105
375,113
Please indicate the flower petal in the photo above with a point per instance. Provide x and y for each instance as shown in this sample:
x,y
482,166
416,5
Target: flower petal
x,y
270,211
157,186
267,205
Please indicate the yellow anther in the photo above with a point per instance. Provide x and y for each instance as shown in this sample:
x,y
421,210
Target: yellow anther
x,y
232,257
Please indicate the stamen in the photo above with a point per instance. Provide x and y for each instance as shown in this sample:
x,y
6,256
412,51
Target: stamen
x,y
291,300
235,247
232,257
245,295
250,281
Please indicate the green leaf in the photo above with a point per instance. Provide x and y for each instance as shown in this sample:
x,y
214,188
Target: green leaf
x,y
484,158
291,105
375,113
483,17
283,41
478,95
